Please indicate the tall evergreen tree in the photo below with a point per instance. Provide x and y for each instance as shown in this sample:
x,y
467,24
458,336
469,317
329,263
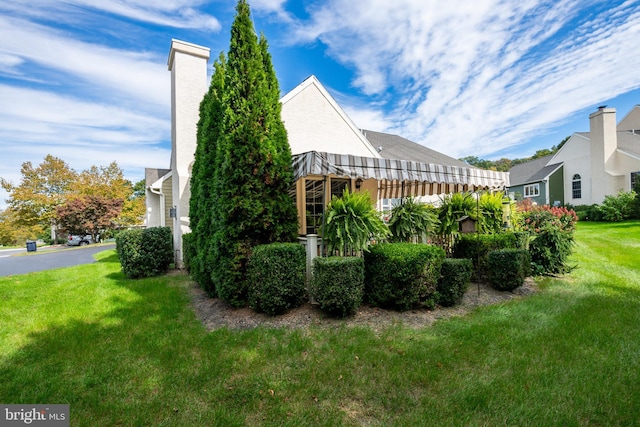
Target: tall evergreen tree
x,y
252,167
202,201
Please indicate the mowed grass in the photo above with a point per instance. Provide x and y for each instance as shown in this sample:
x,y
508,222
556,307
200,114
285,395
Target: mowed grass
x,y
131,352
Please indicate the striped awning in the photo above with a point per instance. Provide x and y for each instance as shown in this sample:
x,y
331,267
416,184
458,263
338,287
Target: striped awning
x,y
399,178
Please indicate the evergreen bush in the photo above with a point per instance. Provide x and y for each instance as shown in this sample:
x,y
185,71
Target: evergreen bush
x,y
145,253
507,268
476,247
455,277
276,277
402,275
188,250
338,284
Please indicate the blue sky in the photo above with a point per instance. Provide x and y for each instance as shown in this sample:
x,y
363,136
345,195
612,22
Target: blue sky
x,y
87,80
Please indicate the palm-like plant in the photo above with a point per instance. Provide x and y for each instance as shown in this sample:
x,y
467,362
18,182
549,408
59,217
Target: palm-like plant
x,y
452,208
412,221
351,223
491,212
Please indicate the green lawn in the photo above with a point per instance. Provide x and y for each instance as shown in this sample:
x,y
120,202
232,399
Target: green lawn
x,y
131,352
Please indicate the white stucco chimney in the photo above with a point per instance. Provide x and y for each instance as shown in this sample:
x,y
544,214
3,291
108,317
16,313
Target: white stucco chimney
x,y
604,142
188,65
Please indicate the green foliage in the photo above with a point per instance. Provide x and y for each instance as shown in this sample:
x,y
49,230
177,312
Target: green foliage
x,y
619,207
338,284
452,208
145,253
455,277
352,222
188,250
203,214
243,166
476,247
551,230
402,275
412,221
490,220
277,274
508,268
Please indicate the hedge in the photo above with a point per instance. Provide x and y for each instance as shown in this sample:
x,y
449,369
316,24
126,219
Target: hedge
x,y
145,253
276,277
455,277
476,247
338,284
508,268
402,275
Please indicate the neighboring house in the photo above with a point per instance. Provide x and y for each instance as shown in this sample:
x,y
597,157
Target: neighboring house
x,y
330,153
594,164
538,180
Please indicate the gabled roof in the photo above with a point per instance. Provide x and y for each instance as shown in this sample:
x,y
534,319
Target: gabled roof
x,y
532,171
396,147
151,175
315,121
629,142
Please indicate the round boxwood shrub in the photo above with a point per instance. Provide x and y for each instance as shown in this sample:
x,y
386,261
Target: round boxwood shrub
x,y
455,277
508,268
145,253
476,247
402,275
338,284
276,277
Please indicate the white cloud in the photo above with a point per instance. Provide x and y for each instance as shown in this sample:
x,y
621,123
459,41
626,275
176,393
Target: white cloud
x,y
478,79
171,13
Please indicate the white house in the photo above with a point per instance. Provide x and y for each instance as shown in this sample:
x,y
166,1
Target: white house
x,y
330,153
594,164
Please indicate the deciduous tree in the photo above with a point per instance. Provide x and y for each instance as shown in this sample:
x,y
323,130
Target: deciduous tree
x,y
89,215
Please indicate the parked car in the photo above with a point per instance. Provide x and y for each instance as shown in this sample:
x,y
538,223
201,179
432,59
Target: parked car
x,y
79,240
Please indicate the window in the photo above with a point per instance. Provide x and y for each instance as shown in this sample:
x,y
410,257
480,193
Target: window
x,y
338,186
532,190
576,187
634,179
314,202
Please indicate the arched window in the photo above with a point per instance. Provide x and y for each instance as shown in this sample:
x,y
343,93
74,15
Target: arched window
x,y
576,186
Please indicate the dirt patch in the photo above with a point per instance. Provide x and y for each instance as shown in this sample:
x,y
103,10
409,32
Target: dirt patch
x,y
215,314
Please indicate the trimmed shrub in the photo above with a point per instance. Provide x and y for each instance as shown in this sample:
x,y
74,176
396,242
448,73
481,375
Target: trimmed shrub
x,y
145,253
455,277
276,277
508,268
402,275
476,247
619,207
338,284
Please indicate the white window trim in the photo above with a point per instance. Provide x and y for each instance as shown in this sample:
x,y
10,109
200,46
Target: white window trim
x,y
534,190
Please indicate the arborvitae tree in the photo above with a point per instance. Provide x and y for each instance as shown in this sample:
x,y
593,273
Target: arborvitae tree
x,y
253,171
202,201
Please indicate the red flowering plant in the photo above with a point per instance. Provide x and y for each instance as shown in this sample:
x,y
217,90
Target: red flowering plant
x,y
551,230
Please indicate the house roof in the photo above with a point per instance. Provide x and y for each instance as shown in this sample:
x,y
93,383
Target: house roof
x,y
532,171
151,175
629,142
396,147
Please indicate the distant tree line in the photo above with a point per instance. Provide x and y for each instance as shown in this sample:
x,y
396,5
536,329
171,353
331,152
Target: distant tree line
x,y
504,164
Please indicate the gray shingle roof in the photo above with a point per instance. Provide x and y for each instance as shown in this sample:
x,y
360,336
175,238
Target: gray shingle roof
x,y
629,142
532,171
151,175
399,148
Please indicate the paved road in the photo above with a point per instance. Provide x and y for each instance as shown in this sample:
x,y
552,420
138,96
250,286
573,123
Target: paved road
x,y
18,261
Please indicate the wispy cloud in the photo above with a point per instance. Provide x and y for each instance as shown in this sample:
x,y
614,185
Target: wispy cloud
x,y
488,76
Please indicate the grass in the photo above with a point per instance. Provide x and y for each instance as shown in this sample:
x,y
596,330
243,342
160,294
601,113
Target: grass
x,y
131,352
